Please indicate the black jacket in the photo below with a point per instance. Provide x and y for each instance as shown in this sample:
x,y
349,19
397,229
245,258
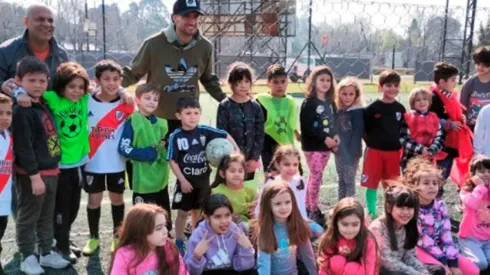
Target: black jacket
x,y
317,119
36,144
245,123
13,50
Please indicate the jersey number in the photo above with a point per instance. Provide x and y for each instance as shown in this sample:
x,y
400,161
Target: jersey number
x,y
183,144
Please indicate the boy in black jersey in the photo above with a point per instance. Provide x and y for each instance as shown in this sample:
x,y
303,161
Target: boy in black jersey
x,y
383,123
187,159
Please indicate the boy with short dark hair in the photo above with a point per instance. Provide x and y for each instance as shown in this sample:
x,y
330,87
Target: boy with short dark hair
x,y
445,103
280,126
106,168
475,93
37,154
187,157
142,143
383,124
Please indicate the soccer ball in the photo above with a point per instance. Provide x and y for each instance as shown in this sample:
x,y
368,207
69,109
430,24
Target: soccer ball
x,y
217,149
71,126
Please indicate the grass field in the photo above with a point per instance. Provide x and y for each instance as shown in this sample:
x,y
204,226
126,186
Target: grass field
x,y
370,86
98,264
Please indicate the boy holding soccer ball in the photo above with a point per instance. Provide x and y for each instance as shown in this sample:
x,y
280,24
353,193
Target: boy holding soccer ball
x,y
187,158
142,143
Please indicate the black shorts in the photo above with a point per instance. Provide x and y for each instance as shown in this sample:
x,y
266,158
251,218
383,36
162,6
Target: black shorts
x,y
159,198
112,182
190,201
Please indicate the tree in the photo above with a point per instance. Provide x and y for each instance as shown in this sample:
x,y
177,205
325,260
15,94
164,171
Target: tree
x,y
413,38
432,37
69,23
484,34
11,20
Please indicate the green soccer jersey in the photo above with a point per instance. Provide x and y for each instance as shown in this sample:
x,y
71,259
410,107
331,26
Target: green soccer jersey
x,y
241,200
71,122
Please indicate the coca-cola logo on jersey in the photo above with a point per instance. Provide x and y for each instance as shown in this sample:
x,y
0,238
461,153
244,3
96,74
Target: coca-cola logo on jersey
x,y
195,158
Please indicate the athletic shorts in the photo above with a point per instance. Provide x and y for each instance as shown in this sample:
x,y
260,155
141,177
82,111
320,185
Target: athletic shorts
x,y
379,166
112,182
190,201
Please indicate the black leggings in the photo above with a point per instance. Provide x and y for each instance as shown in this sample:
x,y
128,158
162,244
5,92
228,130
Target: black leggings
x,y
3,226
433,269
230,272
68,195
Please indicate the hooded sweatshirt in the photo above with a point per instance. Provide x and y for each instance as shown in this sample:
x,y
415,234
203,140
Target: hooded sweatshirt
x,y
224,252
36,143
350,128
175,69
476,214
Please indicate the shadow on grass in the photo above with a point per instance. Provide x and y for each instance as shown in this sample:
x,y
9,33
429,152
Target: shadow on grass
x,y
94,265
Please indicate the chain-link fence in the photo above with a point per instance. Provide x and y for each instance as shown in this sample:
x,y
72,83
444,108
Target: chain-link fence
x,y
353,37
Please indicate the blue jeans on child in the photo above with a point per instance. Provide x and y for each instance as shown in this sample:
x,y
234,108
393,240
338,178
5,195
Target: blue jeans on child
x,y
316,230
476,251
446,165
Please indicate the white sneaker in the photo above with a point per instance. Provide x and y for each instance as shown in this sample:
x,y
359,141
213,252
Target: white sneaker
x,y
30,266
54,260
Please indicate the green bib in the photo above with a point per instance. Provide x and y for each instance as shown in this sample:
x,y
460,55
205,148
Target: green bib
x,y
281,117
149,177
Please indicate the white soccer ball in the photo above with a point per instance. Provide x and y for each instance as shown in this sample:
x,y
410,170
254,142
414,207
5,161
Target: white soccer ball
x,y
217,149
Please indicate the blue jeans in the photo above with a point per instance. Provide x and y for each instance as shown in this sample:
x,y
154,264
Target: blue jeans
x,y
476,251
446,165
316,230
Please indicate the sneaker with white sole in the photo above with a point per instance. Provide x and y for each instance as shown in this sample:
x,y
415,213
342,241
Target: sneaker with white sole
x,y
53,260
30,266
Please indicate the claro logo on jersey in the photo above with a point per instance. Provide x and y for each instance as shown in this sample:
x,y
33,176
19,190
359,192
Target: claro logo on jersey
x,y
195,160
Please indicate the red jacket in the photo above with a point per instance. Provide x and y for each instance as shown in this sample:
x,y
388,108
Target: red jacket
x,y
461,139
423,128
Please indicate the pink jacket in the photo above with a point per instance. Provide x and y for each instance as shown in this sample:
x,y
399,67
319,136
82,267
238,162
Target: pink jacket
x,y
332,262
476,214
125,255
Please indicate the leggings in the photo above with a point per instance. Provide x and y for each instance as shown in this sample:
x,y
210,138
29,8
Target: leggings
x,y
317,161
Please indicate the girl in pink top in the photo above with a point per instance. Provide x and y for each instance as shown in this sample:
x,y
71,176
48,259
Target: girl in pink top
x,y
144,247
474,231
348,247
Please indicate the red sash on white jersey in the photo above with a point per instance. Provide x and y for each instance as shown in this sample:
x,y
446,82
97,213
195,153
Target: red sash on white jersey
x,y
113,120
106,120
6,164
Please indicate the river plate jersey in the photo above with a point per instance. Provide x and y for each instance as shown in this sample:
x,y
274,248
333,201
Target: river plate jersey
x,y
6,161
106,121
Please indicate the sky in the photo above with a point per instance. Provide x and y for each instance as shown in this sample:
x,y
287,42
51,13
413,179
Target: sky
x,y
125,3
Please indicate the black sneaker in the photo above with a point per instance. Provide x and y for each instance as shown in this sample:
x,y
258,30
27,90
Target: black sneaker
x,y
69,256
188,230
75,249
318,217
